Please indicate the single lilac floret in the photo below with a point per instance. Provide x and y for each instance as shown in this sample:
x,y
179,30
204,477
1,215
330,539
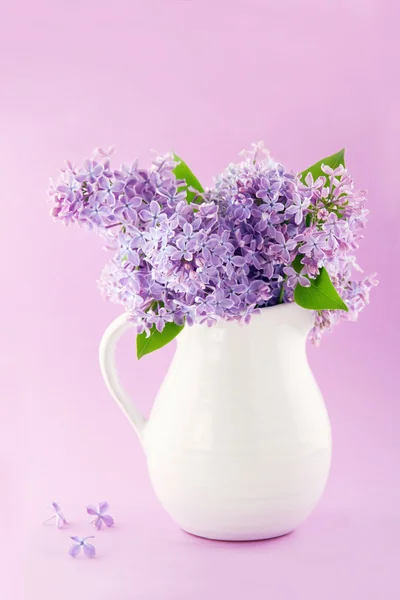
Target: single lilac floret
x,y
102,519
81,544
60,520
294,278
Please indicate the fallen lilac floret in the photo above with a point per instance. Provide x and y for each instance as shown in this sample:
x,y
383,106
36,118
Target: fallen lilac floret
x,y
60,520
81,544
102,519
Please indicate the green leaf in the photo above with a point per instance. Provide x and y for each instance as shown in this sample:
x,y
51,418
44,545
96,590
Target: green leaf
x,y
182,171
296,264
321,295
156,340
332,161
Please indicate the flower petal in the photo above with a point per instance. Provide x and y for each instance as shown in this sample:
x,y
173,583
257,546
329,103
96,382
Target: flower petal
x,y
98,523
74,550
92,510
103,506
98,169
108,520
89,550
238,261
60,521
146,215
154,208
76,539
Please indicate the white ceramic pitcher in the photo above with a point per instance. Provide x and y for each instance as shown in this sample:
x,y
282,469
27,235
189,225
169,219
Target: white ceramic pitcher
x,y
238,441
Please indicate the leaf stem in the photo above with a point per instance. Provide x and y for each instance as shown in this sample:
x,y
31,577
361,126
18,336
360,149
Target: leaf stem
x,y
282,291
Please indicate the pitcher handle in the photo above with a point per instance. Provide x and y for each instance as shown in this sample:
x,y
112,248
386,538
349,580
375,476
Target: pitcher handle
x,y
109,371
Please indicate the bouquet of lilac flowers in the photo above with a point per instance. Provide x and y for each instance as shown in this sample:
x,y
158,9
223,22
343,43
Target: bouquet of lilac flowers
x,y
262,235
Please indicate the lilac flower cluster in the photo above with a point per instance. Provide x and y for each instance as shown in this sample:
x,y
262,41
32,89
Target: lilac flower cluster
x,y
229,252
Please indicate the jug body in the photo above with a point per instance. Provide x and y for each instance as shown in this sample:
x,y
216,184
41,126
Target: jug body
x,y
238,442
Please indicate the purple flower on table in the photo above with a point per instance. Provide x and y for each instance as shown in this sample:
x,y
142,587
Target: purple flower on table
x,y
58,515
282,247
100,512
90,171
297,208
81,544
293,278
153,215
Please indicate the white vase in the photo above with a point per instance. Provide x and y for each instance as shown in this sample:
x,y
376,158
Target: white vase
x,y
238,442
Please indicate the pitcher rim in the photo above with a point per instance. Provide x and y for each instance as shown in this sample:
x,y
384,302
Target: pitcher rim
x,y
284,307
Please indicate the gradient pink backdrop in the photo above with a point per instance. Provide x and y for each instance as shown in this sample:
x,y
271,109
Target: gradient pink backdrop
x,y
205,78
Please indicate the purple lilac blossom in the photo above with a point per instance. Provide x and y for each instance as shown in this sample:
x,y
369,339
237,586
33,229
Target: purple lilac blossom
x,y
81,544
227,254
100,512
58,515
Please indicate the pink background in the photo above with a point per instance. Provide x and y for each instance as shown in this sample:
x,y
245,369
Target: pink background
x,y
205,78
